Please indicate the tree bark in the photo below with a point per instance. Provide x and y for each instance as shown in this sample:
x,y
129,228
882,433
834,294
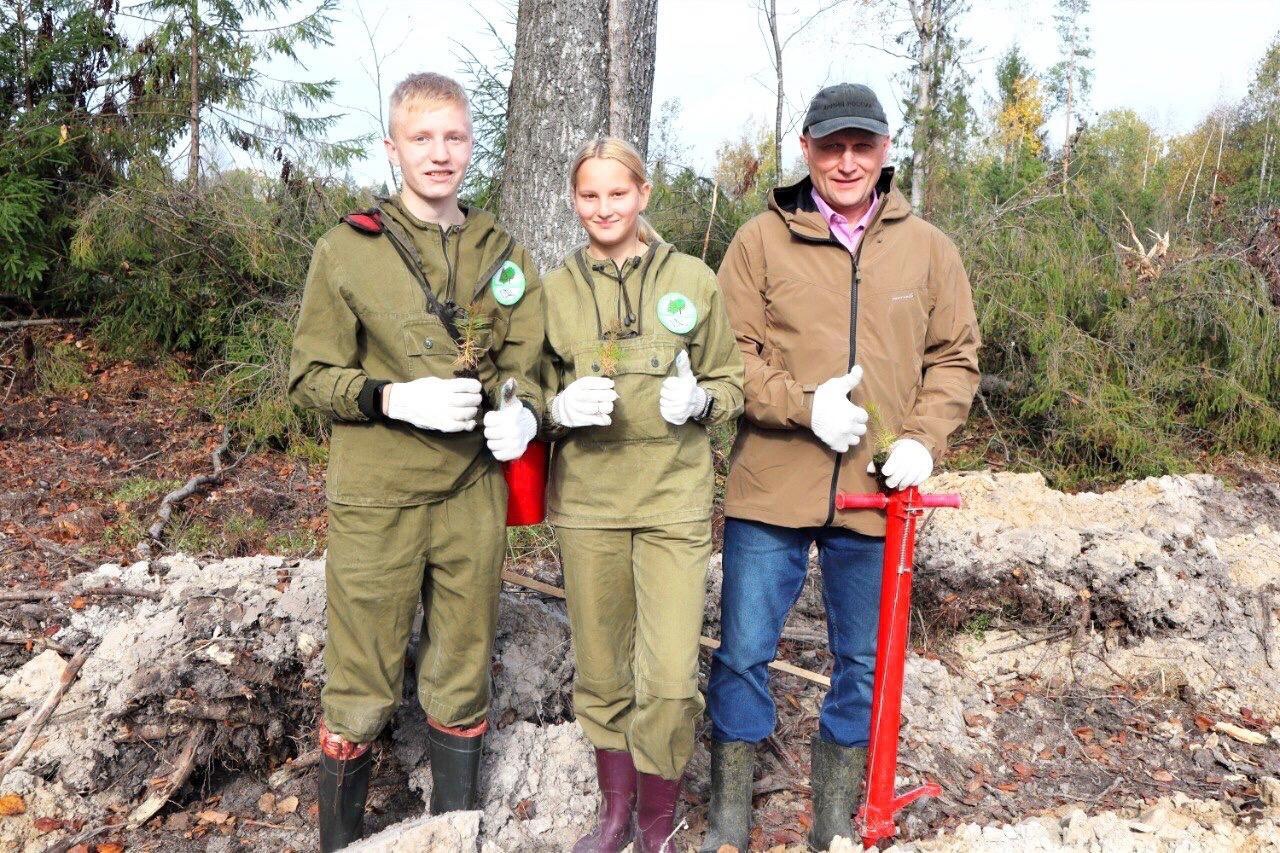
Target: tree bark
x,y
772,15
193,154
922,14
583,69
1071,79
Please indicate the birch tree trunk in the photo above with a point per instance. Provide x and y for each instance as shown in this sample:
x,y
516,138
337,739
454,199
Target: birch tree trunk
x,y
193,154
583,69
922,14
779,92
1071,79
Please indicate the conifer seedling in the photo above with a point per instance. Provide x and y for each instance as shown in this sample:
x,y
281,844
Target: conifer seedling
x,y
471,323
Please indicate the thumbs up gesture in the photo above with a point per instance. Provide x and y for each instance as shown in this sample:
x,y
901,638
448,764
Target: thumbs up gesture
x,y
681,397
509,429
838,422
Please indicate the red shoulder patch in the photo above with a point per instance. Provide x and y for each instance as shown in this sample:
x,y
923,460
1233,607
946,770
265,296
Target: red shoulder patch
x,y
367,221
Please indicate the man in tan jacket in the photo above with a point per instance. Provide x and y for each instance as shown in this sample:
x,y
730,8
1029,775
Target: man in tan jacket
x,y
842,301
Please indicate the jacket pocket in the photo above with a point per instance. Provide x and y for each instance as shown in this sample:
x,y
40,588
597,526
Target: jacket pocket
x,y
637,368
429,351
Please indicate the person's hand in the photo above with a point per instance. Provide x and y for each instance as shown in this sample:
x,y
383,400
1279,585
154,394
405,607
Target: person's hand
x,y
681,397
508,430
586,402
838,422
909,464
444,405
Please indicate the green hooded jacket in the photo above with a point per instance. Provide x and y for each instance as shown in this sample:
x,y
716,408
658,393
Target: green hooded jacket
x,y
364,322
639,470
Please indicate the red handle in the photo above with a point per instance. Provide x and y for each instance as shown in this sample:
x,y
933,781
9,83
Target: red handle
x,y
849,500
879,500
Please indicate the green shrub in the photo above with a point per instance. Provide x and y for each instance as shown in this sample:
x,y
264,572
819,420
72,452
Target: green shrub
x,y
61,368
1101,377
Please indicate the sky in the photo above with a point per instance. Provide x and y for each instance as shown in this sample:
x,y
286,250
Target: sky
x,y
1172,61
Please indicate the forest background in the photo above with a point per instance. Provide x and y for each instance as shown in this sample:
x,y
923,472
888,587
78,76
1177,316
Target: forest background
x,y
161,184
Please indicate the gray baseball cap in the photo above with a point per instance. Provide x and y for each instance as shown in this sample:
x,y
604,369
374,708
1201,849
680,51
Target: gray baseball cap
x,y
844,106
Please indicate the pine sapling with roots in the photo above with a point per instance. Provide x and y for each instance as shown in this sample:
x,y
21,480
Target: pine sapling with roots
x,y
881,438
471,323
609,352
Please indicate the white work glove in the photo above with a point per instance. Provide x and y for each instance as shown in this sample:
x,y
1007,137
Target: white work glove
x,y
909,464
445,405
586,402
509,429
681,398
838,422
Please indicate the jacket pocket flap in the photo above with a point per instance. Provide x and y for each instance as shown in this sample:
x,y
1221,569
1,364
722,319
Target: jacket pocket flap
x,y
605,361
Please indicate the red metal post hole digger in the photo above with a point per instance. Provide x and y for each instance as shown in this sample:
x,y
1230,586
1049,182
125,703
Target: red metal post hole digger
x,y
880,802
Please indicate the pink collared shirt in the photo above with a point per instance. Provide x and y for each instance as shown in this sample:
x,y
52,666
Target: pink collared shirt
x,y
848,236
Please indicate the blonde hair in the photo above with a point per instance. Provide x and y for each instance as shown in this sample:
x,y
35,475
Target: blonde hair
x,y
613,148
424,89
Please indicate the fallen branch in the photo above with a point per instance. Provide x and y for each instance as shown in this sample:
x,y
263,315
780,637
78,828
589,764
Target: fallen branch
x,y
15,756
810,638
1264,631
41,542
149,732
67,843
5,325
706,642
1048,638
248,821
177,778
22,640
1239,733
222,712
47,594
293,768
191,486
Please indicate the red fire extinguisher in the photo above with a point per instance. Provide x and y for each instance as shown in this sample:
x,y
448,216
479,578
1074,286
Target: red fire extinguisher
x,y
902,508
526,477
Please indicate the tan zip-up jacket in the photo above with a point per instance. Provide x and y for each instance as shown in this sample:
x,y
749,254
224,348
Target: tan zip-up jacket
x,y
804,310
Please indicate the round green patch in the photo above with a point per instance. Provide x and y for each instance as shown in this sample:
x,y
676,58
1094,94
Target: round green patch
x,y
508,284
678,313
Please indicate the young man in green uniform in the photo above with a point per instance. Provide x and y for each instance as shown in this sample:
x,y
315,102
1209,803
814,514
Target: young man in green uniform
x,y
414,315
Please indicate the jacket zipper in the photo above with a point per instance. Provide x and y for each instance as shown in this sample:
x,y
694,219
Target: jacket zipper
x,y
855,281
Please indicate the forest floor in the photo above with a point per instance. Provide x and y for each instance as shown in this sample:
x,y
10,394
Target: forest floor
x,y
1088,665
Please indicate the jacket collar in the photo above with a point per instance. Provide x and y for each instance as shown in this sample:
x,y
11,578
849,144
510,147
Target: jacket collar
x,y
795,205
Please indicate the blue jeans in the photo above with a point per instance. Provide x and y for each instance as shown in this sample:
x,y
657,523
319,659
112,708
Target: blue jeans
x,y
764,571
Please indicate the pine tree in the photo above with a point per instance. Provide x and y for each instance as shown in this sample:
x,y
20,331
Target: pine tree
x,y
199,73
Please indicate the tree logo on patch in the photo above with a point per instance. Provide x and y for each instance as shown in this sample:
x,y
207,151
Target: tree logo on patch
x,y
507,284
678,313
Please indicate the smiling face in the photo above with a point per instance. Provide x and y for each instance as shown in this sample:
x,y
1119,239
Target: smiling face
x,y
844,167
609,200
431,145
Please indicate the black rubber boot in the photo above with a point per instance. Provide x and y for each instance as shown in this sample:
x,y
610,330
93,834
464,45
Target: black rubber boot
x,y
836,779
729,816
455,770
344,786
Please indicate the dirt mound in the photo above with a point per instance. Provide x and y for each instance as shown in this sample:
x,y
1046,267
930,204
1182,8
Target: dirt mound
x,y
1111,648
